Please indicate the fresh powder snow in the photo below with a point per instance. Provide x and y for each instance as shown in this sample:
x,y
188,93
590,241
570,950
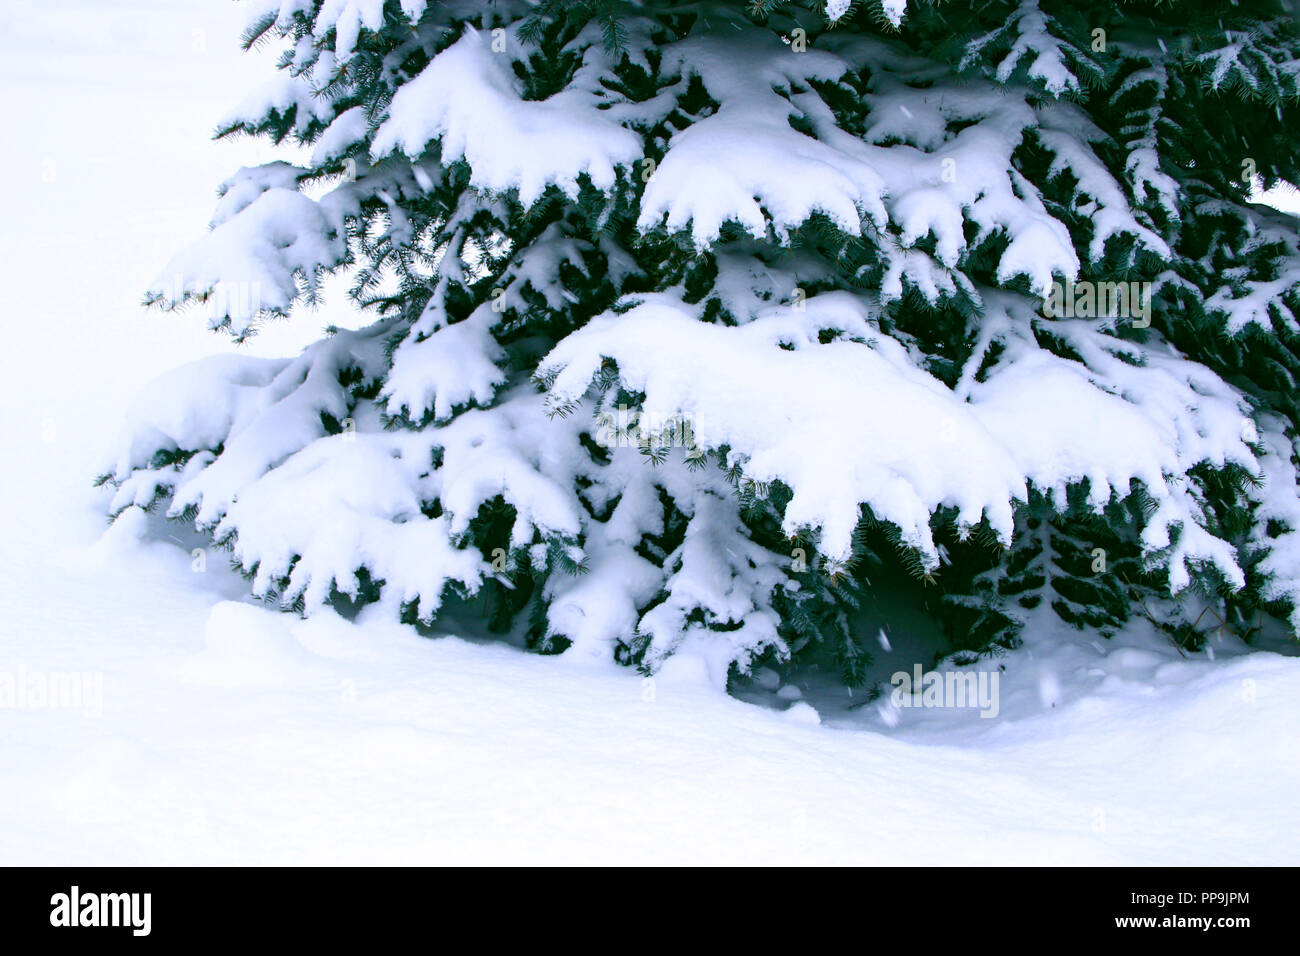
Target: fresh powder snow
x,y
199,726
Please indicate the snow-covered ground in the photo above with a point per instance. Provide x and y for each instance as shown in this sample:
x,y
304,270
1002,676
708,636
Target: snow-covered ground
x,y
210,729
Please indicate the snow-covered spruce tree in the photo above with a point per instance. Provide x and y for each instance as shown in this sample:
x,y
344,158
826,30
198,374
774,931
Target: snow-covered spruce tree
x,y
687,315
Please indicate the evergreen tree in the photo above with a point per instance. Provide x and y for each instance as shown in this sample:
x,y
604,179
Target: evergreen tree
x,y
685,314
